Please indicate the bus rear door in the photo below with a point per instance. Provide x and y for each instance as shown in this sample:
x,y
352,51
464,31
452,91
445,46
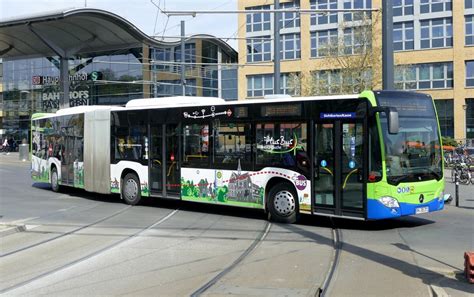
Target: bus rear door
x,y
164,161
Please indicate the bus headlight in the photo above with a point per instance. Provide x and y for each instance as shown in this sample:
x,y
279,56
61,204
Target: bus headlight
x,y
389,202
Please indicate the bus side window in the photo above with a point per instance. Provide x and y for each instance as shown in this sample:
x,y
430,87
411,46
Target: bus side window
x,y
196,145
282,144
232,143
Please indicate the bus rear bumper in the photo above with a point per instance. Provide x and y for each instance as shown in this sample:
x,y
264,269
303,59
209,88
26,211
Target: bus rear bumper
x,y
376,210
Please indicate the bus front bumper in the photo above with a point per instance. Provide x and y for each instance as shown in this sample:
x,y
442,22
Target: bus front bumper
x,y
376,210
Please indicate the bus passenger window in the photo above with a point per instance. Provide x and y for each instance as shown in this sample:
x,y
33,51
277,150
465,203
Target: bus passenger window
x,y
282,144
196,145
232,143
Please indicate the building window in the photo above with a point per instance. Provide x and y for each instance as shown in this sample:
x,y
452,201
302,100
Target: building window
x,y
356,40
286,87
324,18
445,112
259,21
424,76
290,19
259,85
290,46
403,37
162,58
429,6
167,88
470,74
189,53
470,118
469,29
436,33
357,4
468,4
402,7
328,81
259,49
324,43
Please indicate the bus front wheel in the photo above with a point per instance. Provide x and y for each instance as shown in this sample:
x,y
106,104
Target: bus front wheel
x,y
283,204
54,180
131,191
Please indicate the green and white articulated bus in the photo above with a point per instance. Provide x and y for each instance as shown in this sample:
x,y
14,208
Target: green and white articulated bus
x,y
371,156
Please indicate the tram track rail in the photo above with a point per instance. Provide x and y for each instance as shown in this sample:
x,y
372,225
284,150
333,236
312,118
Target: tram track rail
x,y
261,237
65,233
325,289
88,256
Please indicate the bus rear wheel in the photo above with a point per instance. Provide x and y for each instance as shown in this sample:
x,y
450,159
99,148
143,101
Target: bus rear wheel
x,y
131,191
283,204
54,180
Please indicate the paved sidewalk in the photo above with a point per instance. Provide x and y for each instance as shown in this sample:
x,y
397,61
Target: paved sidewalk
x,y
12,158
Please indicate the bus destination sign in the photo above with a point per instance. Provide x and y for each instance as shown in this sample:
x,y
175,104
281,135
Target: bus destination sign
x,y
281,110
337,115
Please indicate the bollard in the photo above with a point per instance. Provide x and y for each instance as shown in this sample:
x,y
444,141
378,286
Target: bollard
x,y
24,152
456,182
469,266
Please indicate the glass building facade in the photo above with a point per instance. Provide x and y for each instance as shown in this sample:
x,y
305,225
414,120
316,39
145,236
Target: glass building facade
x,y
112,78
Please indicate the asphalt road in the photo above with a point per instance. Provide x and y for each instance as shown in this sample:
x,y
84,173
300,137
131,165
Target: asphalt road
x,y
77,243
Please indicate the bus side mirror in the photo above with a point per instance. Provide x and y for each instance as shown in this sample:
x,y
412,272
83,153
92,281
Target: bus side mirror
x,y
392,118
393,124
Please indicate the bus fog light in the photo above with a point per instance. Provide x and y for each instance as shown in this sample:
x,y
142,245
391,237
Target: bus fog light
x,y
389,202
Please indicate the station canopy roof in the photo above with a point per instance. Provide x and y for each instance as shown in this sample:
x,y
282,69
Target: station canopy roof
x,y
76,32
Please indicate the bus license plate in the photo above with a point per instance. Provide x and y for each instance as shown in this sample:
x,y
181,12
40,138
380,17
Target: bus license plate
x,y
422,210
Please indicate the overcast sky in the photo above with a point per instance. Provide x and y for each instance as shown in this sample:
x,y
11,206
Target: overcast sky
x,y
142,13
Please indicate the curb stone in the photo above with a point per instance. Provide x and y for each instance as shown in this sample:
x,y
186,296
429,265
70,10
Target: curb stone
x,y
6,230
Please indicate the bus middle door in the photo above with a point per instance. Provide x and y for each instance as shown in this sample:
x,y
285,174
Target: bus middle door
x,y
339,162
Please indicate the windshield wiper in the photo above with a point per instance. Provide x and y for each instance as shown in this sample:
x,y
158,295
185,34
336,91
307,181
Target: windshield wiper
x,y
437,175
399,179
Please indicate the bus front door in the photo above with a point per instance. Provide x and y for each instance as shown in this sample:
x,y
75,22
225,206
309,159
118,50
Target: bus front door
x,y
339,168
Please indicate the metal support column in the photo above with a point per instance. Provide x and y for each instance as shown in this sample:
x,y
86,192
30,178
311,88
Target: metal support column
x,y
387,45
276,48
183,67
219,72
64,79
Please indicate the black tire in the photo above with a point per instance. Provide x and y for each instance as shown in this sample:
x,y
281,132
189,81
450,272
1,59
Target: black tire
x,y
130,189
282,204
54,180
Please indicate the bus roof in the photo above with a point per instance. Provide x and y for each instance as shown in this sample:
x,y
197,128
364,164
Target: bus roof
x,y
183,101
174,101
74,110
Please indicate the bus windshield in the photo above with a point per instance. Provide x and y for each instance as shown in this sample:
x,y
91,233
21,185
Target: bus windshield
x,y
414,154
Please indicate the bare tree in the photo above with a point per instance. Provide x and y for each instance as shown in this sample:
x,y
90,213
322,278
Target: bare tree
x,y
349,59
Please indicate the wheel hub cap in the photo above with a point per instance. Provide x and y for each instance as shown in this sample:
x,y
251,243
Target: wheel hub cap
x,y
54,179
284,203
131,189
